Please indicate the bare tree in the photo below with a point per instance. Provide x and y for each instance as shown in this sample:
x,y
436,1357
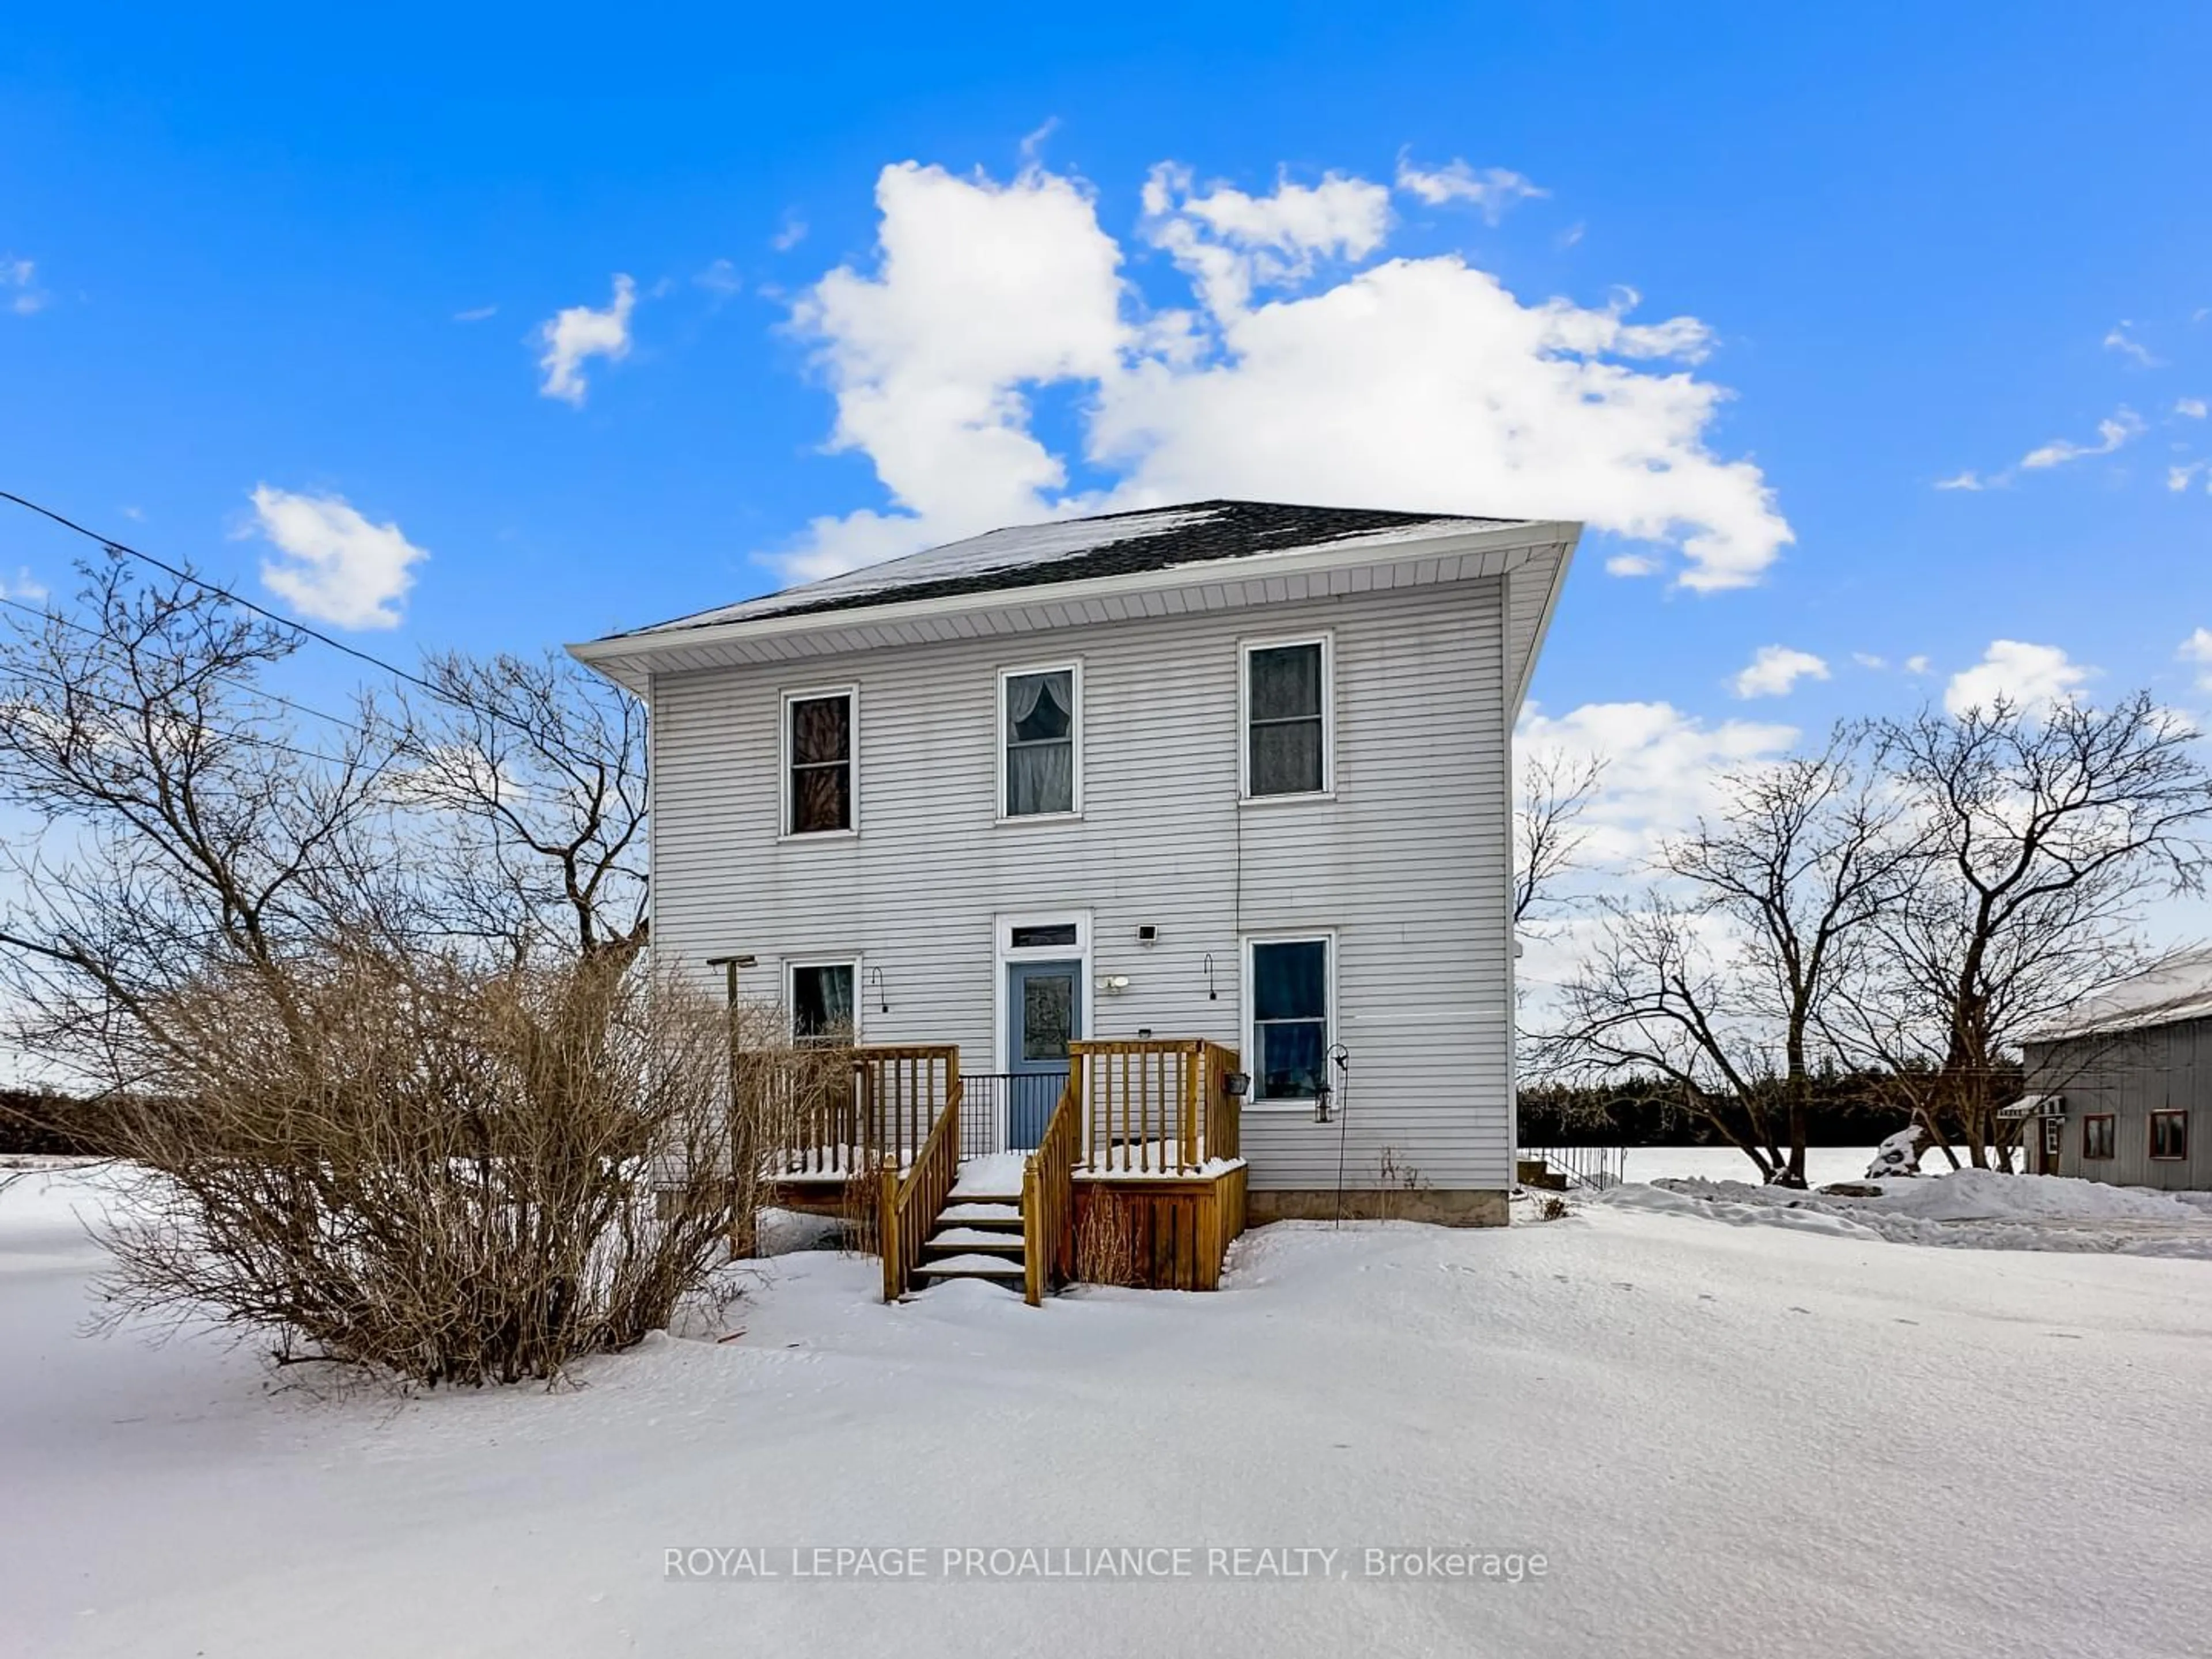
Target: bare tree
x,y
2044,833
540,768
1717,980
189,824
1556,792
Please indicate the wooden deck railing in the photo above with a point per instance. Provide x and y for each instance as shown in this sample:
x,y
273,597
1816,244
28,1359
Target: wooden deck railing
x,y
1155,1106
850,1111
909,1202
1049,1198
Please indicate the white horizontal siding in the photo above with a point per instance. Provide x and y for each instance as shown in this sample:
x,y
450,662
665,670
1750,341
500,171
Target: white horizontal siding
x,y
1406,865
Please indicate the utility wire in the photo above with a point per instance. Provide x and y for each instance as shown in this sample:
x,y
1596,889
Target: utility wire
x,y
299,628
315,634
44,615
358,763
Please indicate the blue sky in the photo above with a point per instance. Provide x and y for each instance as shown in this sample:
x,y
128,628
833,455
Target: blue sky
x,y
317,257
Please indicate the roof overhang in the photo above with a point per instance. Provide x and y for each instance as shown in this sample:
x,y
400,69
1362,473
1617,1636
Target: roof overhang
x,y
1330,569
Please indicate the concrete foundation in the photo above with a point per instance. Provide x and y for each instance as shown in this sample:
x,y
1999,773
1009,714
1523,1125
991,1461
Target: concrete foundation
x,y
1453,1208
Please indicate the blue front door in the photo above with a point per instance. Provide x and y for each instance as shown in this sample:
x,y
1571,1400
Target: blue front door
x,y
1044,1011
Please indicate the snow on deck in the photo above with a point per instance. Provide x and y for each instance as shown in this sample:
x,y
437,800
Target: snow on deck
x,y
1723,1440
998,1175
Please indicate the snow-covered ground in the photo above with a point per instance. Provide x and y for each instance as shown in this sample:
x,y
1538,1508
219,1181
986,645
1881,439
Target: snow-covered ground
x,y
1822,1163
1968,1209
1723,1440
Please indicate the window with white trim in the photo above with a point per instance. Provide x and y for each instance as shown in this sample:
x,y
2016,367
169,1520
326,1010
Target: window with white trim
x,y
1041,743
818,742
822,1001
1287,718
1290,984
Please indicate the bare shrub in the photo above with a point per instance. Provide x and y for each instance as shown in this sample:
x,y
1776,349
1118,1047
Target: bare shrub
x,y
447,1173
1394,1174
1107,1244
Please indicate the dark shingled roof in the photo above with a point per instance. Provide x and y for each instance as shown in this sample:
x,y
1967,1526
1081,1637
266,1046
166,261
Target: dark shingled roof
x,y
1077,549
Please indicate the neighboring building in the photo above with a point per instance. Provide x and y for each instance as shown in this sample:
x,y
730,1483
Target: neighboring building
x,y
1232,770
2120,1089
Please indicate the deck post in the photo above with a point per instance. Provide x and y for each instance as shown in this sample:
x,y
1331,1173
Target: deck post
x,y
887,1239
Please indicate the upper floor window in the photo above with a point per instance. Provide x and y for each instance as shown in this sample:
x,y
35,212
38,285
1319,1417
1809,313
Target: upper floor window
x,y
1287,718
818,762
2169,1135
1040,730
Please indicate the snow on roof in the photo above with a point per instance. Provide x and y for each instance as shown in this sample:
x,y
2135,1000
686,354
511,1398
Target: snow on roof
x,y
2176,989
1071,550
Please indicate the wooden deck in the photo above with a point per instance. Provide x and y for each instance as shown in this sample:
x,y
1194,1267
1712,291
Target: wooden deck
x,y
1137,1179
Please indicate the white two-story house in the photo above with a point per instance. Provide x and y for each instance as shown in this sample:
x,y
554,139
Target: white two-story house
x,y
1234,771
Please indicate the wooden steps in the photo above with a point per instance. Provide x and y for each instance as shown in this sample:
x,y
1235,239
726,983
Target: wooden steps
x,y
977,1236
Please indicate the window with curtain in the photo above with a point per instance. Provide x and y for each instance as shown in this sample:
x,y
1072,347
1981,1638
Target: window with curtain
x,y
2097,1135
821,1002
1040,742
1290,1018
1285,736
2169,1135
821,742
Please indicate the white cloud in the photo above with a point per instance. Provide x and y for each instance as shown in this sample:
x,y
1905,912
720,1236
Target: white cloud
x,y
18,281
2192,409
580,333
1490,191
1918,665
25,586
2179,475
2113,431
476,314
1231,243
1775,670
1966,480
1664,766
719,279
1632,564
2011,670
1402,383
1868,660
789,234
2197,649
333,564
2117,339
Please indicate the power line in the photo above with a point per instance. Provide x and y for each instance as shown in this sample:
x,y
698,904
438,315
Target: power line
x,y
485,711
315,634
252,738
520,792
44,615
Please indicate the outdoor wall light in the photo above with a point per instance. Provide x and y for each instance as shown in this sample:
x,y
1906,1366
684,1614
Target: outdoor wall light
x,y
1212,995
1236,1084
1114,984
1148,935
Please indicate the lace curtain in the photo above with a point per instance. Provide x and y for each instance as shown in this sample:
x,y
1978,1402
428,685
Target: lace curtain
x,y
1040,743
